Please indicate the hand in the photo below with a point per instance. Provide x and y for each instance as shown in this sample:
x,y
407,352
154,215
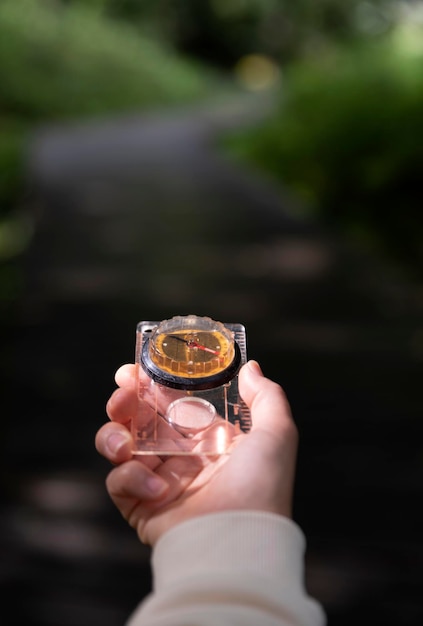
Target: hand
x,y
154,495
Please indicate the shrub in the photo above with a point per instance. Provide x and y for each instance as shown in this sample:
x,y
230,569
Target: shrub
x,y
346,138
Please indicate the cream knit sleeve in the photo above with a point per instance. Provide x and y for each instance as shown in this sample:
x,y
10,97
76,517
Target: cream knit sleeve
x,y
234,568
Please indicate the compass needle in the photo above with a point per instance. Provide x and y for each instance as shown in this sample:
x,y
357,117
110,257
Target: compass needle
x,y
200,347
178,338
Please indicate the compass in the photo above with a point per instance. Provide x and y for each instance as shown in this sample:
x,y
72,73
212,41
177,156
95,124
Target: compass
x,y
187,386
190,353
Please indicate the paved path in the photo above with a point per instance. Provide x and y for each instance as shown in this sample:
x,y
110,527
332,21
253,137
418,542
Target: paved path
x,y
143,218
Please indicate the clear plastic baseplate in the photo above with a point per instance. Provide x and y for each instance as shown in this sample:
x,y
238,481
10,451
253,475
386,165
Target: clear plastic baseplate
x,y
174,422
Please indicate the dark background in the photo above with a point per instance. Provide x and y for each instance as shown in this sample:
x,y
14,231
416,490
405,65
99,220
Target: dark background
x,y
142,214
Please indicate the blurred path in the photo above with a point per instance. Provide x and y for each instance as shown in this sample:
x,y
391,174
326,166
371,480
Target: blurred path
x,y
143,218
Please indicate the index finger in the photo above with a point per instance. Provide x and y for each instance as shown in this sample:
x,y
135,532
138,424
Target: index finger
x,y
122,405
125,375
128,374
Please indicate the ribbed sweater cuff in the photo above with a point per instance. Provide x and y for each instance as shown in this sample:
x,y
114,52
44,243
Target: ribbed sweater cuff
x,y
265,544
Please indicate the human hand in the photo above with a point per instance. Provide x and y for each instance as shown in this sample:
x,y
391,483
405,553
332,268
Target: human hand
x,y
154,494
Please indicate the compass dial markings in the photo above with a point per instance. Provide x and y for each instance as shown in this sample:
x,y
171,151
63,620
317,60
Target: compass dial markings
x,y
201,348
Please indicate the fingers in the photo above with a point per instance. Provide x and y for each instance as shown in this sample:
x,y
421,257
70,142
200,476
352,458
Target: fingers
x,y
133,485
134,480
114,442
141,493
125,375
269,406
122,405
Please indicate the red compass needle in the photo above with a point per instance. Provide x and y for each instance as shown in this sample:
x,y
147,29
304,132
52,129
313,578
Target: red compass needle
x,y
191,343
194,344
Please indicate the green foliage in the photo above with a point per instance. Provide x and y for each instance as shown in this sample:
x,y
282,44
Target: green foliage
x,y
59,62
346,138
222,31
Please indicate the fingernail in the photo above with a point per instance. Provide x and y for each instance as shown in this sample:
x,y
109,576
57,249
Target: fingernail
x,y
156,485
115,442
255,368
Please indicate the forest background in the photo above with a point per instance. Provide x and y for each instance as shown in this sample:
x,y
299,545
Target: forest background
x,y
346,76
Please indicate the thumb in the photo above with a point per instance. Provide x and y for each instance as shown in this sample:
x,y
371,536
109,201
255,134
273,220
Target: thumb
x,y
270,410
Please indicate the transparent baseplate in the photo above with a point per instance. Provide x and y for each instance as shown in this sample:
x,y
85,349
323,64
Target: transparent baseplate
x,y
176,422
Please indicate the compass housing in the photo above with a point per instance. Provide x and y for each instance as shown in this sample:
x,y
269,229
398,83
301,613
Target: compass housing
x,y
191,353
187,386
175,381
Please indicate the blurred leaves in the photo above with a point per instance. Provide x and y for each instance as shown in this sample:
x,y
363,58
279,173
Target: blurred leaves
x,y
346,138
57,61
222,31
